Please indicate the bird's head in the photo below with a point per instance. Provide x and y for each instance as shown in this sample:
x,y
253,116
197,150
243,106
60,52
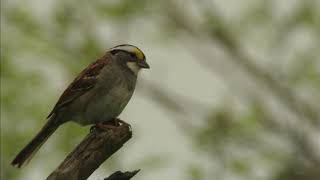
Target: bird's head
x,y
130,56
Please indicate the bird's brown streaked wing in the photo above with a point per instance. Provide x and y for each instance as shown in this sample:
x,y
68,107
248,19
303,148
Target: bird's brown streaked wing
x,y
81,84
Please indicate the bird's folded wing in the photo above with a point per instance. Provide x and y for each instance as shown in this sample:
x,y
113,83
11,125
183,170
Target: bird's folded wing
x,y
81,84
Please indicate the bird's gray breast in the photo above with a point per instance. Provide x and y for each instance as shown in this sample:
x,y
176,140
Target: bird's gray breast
x,y
109,101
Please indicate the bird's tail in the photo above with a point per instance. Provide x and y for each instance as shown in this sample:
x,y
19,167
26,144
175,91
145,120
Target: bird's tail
x,y
34,145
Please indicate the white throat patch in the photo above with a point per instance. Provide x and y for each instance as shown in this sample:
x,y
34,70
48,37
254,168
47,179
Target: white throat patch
x,y
133,66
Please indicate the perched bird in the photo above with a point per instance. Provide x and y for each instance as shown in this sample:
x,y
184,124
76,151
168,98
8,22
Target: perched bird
x,y
97,95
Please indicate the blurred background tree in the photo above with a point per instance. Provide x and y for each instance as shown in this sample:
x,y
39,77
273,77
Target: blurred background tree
x,y
233,90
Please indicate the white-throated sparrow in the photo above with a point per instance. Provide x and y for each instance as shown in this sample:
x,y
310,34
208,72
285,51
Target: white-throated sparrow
x,y
98,94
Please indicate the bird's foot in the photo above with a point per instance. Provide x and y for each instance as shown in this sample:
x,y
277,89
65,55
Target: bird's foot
x,y
104,126
112,124
119,122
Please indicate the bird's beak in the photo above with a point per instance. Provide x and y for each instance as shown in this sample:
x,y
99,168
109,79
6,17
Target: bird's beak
x,y
144,64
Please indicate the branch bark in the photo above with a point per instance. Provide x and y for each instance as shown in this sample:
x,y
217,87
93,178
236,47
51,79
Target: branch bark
x,y
94,149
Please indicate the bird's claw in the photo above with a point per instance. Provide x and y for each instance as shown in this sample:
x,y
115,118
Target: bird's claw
x,y
112,124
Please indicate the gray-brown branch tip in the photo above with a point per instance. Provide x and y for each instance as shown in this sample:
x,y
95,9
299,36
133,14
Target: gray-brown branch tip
x,y
122,176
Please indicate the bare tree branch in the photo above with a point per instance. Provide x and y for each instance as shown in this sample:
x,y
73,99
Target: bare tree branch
x,y
95,148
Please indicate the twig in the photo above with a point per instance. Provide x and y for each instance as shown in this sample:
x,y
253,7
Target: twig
x,y
96,147
122,176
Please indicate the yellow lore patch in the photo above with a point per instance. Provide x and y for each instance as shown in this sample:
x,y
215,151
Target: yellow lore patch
x,y
138,53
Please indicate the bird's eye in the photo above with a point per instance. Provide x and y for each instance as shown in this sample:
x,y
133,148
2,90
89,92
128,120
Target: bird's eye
x,y
132,55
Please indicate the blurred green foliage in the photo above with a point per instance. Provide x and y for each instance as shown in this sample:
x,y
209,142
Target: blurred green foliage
x,y
45,46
